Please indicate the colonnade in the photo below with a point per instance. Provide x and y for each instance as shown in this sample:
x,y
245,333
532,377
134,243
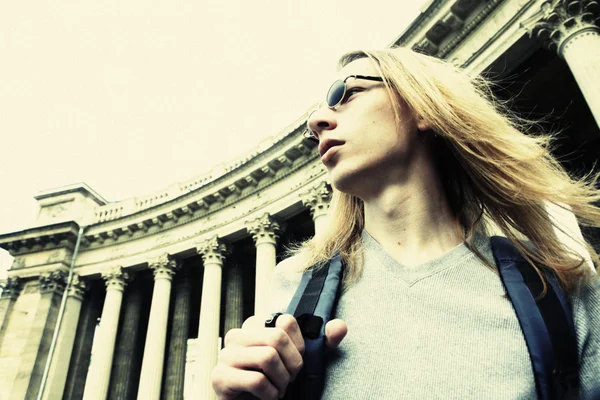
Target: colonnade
x,y
111,371
569,28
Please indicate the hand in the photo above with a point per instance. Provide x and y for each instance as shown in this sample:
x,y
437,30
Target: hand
x,y
263,361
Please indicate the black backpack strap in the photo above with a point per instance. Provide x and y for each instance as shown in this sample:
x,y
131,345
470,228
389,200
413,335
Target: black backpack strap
x,y
313,306
547,324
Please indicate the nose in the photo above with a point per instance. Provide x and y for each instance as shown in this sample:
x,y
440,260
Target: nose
x,y
320,120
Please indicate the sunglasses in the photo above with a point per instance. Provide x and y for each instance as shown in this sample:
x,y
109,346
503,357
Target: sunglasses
x,y
336,96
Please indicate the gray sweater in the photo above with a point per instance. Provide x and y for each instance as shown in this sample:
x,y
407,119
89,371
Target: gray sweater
x,y
440,330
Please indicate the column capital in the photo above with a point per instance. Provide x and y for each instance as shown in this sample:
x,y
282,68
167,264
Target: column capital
x,y
559,21
317,199
164,267
116,278
264,229
212,250
11,287
78,287
54,281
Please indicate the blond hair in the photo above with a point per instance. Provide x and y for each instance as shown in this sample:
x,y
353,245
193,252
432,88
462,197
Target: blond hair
x,y
490,161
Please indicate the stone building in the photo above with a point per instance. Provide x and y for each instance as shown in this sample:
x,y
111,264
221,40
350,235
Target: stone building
x,y
169,274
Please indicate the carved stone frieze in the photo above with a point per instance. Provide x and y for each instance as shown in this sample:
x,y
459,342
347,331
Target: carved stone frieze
x,y
164,267
116,278
54,281
212,250
264,229
11,287
317,199
560,21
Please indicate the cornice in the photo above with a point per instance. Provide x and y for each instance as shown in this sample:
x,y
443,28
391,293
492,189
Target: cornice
x,y
242,172
445,24
416,26
227,228
80,187
210,200
49,237
452,41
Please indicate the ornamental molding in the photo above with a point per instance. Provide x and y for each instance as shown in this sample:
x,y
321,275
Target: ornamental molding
x,y
559,22
116,278
444,25
264,229
263,171
233,180
164,267
53,237
53,282
208,202
78,287
213,250
11,288
317,199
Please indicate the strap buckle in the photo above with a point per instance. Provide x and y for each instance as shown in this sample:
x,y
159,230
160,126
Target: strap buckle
x,y
310,325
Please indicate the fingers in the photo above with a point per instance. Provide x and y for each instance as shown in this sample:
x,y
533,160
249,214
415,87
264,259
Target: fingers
x,y
259,359
229,383
276,338
335,332
289,324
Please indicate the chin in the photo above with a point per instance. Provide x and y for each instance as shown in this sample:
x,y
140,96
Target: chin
x,y
344,182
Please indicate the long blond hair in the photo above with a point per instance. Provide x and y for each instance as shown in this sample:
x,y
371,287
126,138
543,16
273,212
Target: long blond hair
x,y
493,167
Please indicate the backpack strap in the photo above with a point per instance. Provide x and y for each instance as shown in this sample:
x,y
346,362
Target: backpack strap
x,y
547,324
313,306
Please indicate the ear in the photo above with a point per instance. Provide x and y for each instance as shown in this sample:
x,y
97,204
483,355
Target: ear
x,y
422,125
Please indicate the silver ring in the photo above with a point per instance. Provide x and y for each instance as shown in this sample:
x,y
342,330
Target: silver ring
x,y
270,323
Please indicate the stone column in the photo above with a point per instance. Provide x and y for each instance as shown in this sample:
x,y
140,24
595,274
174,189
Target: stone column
x,y
265,232
35,352
98,378
122,375
213,253
175,374
154,351
317,200
234,299
568,27
57,375
10,292
84,338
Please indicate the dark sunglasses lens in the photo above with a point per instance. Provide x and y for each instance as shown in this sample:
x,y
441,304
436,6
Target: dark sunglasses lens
x,y
336,93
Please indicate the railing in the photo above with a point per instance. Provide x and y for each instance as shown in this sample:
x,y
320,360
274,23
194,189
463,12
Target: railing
x,y
119,209
108,212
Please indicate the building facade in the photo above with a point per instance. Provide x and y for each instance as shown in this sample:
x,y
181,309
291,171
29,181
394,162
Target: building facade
x,y
168,275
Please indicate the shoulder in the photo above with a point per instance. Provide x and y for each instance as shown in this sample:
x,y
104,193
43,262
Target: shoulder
x,y
586,315
285,281
586,301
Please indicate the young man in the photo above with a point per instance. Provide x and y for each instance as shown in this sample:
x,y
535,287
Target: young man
x,y
419,159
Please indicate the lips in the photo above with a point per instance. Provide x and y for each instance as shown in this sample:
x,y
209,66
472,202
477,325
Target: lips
x,y
326,144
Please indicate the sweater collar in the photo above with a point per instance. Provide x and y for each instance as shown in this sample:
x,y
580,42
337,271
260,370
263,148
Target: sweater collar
x,y
411,275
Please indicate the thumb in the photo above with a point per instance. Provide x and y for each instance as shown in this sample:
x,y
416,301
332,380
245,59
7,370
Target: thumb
x,y
335,331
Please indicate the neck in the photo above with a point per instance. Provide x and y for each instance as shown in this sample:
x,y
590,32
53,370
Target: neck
x,y
412,221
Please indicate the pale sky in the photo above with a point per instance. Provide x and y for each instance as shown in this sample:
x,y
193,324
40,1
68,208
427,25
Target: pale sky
x,y
132,96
